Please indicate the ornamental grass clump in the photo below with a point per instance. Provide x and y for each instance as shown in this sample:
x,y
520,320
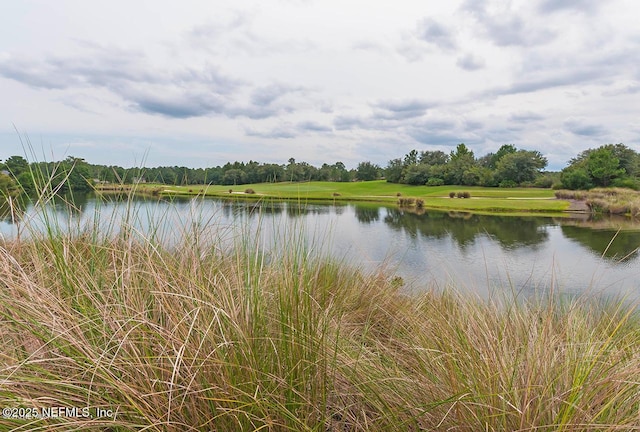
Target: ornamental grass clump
x,y
616,201
406,202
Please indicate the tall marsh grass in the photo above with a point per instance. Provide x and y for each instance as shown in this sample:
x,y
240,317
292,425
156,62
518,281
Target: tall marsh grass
x,y
617,201
200,336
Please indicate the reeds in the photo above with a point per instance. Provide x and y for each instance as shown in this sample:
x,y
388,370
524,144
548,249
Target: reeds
x,y
618,201
411,202
199,335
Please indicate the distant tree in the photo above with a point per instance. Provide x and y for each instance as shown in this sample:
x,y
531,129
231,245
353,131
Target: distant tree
x,y
393,171
502,151
234,176
603,166
16,165
8,186
271,173
460,161
416,174
339,172
520,166
77,175
252,170
292,171
324,173
433,158
411,158
307,172
367,171
26,182
629,159
575,178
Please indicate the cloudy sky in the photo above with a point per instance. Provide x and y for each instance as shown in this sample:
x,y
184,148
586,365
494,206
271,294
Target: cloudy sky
x,y
200,83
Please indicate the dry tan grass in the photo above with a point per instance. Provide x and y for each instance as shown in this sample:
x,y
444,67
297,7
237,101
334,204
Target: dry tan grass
x,y
196,338
618,201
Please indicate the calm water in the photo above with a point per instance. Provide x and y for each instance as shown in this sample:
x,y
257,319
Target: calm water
x,y
481,254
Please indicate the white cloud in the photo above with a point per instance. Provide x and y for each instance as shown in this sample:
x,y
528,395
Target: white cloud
x,y
236,79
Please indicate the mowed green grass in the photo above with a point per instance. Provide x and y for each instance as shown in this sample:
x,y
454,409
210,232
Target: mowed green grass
x,y
482,198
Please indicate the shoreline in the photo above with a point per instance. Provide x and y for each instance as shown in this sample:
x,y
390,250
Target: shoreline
x,y
483,200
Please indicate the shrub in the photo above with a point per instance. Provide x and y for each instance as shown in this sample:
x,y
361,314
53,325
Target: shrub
x,y
190,190
399,194
576,178
336,194
619,208
435,181
597,205
556,186
249,191
568,194
544,182
508,184
626,183
230,190
406,202
419,203
452,194
466,194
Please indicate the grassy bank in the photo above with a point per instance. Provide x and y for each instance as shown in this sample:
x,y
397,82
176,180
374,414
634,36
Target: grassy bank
x,y
482,199
196,337
614,201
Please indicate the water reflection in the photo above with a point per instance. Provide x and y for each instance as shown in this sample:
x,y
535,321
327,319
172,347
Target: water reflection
x,y
465,228
367,215
616,246
522,253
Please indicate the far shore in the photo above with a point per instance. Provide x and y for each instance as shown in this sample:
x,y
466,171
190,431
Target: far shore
x,y
481,199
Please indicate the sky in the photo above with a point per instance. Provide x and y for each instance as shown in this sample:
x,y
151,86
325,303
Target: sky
x,y
200,83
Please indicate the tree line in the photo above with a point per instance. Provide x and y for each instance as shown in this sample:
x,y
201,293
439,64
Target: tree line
x,y
608,165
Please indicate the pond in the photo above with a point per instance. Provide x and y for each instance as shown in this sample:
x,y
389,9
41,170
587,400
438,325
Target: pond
x,y
482,254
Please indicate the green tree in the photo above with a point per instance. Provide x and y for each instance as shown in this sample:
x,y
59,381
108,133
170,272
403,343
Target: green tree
x,y
460,161
629,159
339,172
502,152
575,178
271,173
521,166
367,171
411,158
603,166
393,171
16,165
416,174
433,158
77,176
8,186
234,176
